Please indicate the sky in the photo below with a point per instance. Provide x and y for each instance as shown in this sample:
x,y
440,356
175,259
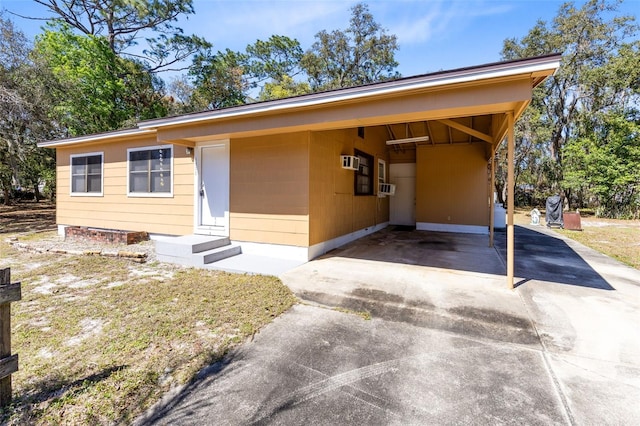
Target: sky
x,y
433,35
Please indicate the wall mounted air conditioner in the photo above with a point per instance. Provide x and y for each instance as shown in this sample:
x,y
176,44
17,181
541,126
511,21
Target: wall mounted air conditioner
x,y
350,162
386,189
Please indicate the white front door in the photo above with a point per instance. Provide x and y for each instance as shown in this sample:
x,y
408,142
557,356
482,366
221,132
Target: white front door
x,y
213,189
402,206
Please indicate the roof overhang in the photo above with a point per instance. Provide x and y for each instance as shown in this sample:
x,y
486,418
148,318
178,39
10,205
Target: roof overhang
x,y
97,138
539,68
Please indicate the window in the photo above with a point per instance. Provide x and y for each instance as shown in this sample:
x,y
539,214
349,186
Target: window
x,y
150,171
364,174
86,174
382,171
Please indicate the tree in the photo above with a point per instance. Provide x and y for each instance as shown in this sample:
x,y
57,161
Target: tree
x,y
275,59
220,80
124,22
592,39
25,101
273,64
607,162
285,87
363,53
227,78
97,90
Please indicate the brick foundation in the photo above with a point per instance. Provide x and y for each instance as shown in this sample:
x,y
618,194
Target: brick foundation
x,y
111,236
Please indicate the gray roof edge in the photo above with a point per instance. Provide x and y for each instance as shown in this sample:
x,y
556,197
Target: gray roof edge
x,y
95,137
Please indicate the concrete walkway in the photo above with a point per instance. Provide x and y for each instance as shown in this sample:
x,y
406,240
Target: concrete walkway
x,y
447,342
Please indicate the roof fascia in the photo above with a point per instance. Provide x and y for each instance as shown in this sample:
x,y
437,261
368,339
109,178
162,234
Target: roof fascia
x,y
100,137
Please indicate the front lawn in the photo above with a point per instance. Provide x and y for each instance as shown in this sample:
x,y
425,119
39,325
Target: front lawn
x,y
101,339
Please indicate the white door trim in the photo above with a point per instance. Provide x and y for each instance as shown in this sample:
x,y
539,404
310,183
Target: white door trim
x,y
402,206
197,203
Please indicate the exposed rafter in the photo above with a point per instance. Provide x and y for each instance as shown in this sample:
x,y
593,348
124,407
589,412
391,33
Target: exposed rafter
x,y
409,132
428,129
390,132
467,130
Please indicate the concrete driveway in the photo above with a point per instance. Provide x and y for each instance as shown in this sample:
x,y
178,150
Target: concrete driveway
x,y
447,342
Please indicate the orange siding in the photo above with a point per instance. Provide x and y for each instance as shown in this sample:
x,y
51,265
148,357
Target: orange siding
x,y
269,192
115,210
451,185
334,209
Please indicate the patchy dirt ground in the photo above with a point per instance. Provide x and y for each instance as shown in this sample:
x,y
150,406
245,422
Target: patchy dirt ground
x,y
27,217
102,338
32,227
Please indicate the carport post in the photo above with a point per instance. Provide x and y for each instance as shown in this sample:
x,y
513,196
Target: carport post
x,y
492,185
510,197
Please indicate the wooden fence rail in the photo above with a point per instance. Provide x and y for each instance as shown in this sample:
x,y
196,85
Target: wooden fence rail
x,y
8,362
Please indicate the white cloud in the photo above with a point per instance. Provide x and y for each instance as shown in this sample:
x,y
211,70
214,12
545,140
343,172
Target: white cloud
x,y
425,21
235,24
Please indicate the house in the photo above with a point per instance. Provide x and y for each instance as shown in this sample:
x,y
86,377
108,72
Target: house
x,y
297,177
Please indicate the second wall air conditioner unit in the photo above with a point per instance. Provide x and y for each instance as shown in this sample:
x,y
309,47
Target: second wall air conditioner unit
x,y
386,189
350,162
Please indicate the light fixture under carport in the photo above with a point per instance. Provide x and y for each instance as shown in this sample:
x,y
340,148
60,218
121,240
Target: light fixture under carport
x,y
408,140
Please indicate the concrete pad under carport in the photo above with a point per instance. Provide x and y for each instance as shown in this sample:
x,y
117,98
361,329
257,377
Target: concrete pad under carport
x,y
443,280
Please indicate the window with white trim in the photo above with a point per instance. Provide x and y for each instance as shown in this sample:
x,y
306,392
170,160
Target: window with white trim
x,y
86,174
382,171
150,171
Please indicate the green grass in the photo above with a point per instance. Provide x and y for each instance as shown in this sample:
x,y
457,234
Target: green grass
x,y
620,242
101,339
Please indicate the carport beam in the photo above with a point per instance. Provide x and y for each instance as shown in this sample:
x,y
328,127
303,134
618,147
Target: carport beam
x,y
510,198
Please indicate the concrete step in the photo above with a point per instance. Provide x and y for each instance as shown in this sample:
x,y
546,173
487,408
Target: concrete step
x,y
195,250
187,245
216,254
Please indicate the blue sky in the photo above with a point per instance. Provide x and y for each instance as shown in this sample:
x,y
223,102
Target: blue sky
x,y
433,34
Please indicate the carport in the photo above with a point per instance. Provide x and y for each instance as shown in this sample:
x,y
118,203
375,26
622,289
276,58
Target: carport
x,y
439,133
474,109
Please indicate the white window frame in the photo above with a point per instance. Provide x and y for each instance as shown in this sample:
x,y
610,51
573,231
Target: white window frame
x,y
149,194
383,178
86,194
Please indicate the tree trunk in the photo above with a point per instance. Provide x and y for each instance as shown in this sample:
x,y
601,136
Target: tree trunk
x,y
500,190
36,192
7,201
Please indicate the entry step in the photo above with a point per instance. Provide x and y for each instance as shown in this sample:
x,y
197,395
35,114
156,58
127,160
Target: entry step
x,y
195,250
